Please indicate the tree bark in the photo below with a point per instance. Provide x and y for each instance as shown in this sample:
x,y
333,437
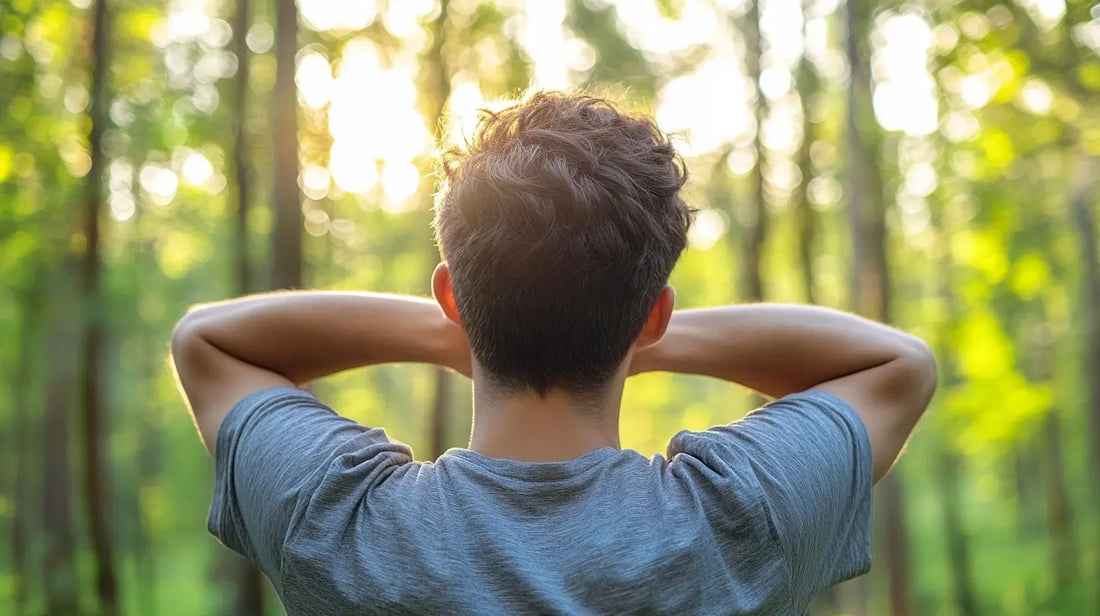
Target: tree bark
x,y
958,550
20,450
241,23
247,582
870,274
438,90
1082,202
807,83
95,430
287,234
1060,524
756,219
59,573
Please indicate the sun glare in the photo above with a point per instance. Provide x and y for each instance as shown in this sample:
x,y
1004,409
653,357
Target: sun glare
x,y
379,135
373,120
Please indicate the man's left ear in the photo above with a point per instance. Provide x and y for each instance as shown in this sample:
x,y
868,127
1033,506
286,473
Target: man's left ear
x,y
444,292
657,322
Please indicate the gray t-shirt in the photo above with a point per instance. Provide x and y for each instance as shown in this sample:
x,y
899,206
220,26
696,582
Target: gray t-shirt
x,y
754,517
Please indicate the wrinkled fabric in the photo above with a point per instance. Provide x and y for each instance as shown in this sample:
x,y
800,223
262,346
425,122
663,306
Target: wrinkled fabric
x,y
753,517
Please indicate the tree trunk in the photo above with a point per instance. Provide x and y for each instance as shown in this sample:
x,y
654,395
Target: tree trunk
x,y
59,573
287,234
1083,199
870,274
248,586
20,450
807,83
1029,516
756,218
148,457
241,23
438,90
958,552
95,430
1060,527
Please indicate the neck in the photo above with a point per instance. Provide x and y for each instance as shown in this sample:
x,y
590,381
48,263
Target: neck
x,y
556,427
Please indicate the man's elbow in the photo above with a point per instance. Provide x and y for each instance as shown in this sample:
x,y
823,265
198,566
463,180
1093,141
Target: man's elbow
x,y
921,373
187,338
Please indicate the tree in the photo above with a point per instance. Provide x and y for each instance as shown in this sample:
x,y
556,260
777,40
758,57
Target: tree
x,y
870,291
286,270
248,591
241,22
59,564
1081,207
806,82
437,90
756,225
97,487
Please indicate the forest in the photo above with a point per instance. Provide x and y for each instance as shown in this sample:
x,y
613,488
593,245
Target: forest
x,y
931,164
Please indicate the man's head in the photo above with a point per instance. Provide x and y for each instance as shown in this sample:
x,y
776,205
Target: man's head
x,y
560,223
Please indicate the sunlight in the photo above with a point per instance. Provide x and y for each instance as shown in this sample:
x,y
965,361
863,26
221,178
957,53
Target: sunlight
x,y
160,182
647,29
707,107
351,170
373,118
314,80
544,41
1036,96
709,227
315,181
196,169
904,98
337,14
466,100
399,181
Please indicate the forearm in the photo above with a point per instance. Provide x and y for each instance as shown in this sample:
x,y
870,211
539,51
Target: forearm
x,y
773,348
309,334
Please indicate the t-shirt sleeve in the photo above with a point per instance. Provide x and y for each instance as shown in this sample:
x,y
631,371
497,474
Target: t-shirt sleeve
x,y
273,449
811,456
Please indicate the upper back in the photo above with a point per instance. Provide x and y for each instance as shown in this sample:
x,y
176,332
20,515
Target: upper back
x,y
753,517
610,532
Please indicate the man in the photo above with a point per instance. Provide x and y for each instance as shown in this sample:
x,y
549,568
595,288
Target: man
x,y
558,226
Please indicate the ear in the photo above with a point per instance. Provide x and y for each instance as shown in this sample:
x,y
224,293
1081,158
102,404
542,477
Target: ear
x,y
659,316
444,293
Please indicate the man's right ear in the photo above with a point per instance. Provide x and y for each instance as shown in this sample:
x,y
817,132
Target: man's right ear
x,y
445,293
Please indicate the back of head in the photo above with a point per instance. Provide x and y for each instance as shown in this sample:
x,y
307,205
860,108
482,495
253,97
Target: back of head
x,y
560,222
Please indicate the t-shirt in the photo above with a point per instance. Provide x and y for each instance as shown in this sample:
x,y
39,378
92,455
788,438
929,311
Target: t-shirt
x,y
753,517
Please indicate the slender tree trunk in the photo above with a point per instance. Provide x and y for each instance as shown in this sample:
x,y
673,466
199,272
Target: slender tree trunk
x,y
59,573
1083,200
247,582
439,89
150,445
22,433
958,551
287,235
1029,515
870,274
241,23
807,83
95,429
752,284
1060,526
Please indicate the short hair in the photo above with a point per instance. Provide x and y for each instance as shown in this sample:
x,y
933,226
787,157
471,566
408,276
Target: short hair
x,y
560,220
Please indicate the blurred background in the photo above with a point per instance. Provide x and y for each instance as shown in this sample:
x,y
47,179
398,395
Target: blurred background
x,y
928,163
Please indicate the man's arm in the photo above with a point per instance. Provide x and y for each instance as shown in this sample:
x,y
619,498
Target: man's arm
x,y
887,376
223,352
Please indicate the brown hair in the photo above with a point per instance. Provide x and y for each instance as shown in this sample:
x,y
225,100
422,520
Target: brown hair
x,y
560,221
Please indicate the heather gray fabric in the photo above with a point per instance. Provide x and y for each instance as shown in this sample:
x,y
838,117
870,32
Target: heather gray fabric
x,y
753,517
